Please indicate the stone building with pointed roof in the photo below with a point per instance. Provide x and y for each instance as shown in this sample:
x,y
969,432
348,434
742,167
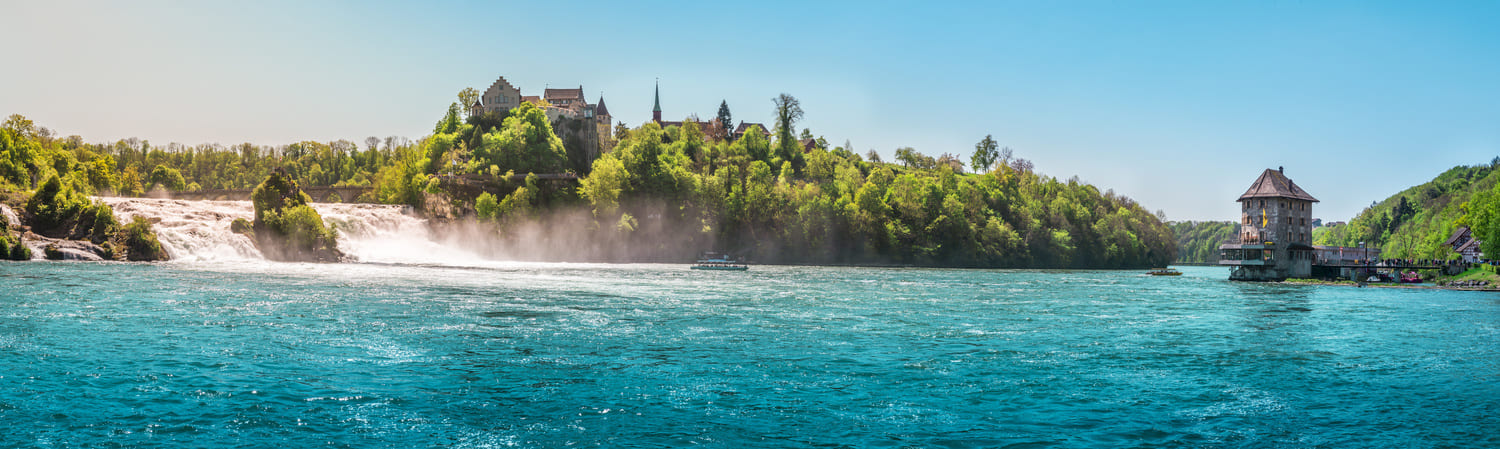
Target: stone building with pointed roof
x,y
1275,241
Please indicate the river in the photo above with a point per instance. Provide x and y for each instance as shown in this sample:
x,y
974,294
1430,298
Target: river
x,y
421,344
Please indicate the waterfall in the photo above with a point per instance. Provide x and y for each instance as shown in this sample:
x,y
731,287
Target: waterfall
x,y
9,215
199,231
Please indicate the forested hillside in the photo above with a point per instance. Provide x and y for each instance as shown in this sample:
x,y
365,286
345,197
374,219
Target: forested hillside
x,y
664,194
1415,222
1198,241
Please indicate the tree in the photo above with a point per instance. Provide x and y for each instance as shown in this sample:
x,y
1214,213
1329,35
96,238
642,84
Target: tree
x,y
20,125
467,97
788,112
985,154
168,178
726,121
450,121
373,143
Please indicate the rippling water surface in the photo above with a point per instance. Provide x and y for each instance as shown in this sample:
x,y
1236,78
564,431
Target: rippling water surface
x,y
259,354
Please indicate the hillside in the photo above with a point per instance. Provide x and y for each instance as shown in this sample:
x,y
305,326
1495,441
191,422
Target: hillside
x,y
661,194
1414,222
1198,241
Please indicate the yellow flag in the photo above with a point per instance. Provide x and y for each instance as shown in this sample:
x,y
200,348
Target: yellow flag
x,y
1262,218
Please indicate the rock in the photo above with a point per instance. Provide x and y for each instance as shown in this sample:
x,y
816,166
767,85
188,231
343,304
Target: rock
x,y
287,228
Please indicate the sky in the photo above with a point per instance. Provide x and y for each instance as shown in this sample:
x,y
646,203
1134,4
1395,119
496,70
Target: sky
x,y
1178,105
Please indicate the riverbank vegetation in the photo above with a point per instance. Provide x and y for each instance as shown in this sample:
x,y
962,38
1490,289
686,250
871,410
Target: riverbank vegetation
x,y
660,194
1198,241
1415,222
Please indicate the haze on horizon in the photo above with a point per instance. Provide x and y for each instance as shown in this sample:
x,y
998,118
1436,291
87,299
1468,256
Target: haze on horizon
x,y
1179,105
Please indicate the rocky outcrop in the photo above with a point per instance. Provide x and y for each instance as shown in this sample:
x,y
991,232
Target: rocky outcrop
x,y
286,228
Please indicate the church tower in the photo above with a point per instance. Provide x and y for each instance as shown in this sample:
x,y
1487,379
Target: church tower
x,y
656,111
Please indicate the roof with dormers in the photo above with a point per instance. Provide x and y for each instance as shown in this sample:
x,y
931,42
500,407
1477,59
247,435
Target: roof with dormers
x,y
1275,184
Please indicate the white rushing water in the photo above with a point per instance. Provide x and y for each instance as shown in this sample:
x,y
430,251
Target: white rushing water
x,y
9,215
198,231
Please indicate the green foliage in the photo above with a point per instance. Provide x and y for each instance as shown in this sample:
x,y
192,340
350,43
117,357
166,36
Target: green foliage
x,y
141,243
525,143
986,152
788,113
725,118
57,208
1198,241
242,226
286,227
51,252
842,209
302,226
1415,222
168,178
277,192
104,224
486,207
760,197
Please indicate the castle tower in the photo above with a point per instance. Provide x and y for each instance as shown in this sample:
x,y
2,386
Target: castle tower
x,y
602,121
656,111
1275,240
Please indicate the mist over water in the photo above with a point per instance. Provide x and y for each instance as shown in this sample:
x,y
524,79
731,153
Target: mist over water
x,y
198,231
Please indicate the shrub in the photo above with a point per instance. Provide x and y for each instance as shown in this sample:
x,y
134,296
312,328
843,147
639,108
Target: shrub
x,y
286,227
20,251
242,226
105,224
486,206
141,243
53,206
52,253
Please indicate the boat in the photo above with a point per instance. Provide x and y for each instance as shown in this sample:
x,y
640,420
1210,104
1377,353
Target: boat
x,y
1164,272
1411,278
718,262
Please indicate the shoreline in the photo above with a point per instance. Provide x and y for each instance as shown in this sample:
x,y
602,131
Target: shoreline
x,y
1423,286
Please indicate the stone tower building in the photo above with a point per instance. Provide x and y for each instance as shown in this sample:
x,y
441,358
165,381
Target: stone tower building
x,y
1275,240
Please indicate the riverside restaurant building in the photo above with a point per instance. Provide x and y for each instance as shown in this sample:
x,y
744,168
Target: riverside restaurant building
x,y
1275,240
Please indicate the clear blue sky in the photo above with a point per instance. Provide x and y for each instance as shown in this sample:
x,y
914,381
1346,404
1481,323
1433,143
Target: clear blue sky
x,y
1179,105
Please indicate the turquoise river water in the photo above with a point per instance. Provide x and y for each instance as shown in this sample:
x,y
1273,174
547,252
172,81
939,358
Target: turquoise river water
x,y
259,354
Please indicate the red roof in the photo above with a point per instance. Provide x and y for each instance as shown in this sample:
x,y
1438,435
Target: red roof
x,y
1275,184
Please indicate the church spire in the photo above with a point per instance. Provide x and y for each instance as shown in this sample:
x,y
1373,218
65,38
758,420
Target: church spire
x,y
656,111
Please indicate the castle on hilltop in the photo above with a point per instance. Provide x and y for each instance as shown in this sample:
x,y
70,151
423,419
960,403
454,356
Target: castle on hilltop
x,y
583,127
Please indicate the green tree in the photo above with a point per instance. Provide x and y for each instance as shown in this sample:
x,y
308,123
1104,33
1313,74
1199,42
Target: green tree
x,y
985,154
467,97
726,120
168,178
788,113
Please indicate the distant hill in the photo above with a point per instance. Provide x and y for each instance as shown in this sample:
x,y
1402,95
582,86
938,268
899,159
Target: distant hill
x,y
1415,222
1198,241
